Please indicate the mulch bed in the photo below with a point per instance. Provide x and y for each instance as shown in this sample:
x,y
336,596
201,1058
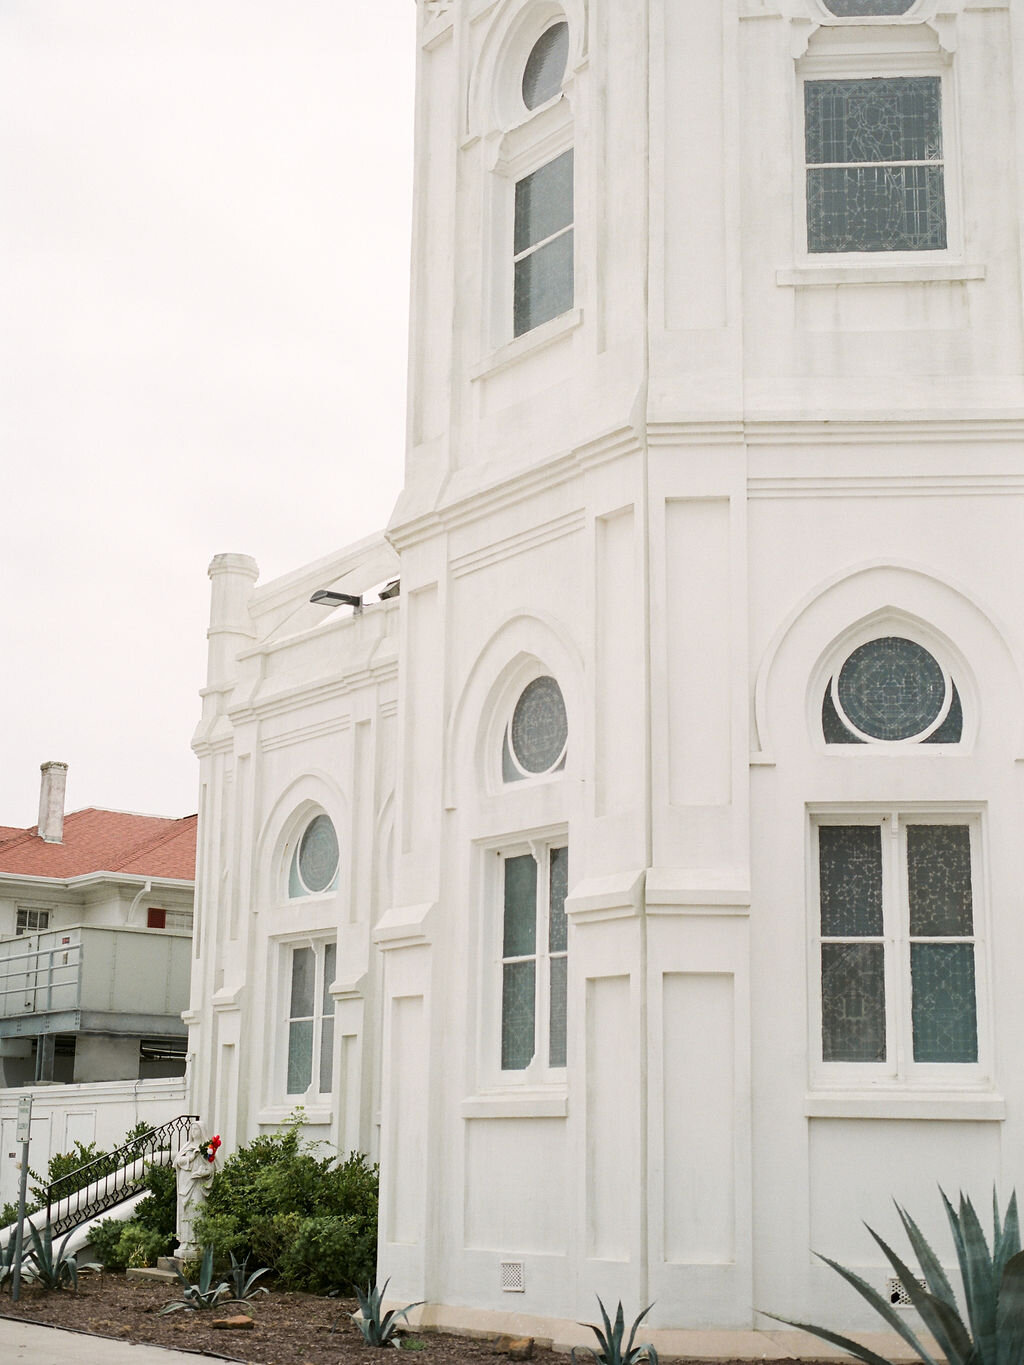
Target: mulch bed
x,y
288,1329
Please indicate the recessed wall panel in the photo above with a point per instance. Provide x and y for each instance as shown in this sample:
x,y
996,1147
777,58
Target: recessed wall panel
x,y
516,1180
611,1110
697,643
407,1063
619,646
699,1118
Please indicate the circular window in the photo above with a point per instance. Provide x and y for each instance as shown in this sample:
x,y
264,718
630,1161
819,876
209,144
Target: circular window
x,y
857,9
317,857
892,689
545,66
539,728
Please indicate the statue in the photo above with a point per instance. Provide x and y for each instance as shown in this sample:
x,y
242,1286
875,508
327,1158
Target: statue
x,y
193,1172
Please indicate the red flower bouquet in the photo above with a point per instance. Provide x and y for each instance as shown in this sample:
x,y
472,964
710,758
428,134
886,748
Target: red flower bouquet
x,y
209,1149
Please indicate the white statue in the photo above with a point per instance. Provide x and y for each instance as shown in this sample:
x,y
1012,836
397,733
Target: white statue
x,y
194,1171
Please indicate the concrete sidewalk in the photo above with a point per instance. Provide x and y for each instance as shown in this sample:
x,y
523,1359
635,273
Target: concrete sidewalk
x,y
24,1343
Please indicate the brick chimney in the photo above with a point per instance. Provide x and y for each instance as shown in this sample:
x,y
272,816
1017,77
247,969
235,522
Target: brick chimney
x,y
51,802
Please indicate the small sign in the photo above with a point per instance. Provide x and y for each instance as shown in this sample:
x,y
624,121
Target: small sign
x,y
24,1119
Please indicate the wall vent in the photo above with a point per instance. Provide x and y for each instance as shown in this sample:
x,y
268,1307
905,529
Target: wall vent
x,y
513,1280
897,1294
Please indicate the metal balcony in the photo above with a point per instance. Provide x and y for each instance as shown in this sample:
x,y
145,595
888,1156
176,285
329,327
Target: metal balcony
x,y
94,979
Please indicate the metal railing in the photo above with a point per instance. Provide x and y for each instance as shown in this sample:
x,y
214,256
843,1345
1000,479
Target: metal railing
x,y
100,1184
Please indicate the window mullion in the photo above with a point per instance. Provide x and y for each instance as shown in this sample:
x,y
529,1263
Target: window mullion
x,y
897,954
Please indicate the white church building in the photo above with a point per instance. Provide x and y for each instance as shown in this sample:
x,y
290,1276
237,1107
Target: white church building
x,y
642,883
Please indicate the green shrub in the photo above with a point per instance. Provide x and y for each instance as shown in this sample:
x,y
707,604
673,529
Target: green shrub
x,y
329,1253
310,1218
117,1245
159,1210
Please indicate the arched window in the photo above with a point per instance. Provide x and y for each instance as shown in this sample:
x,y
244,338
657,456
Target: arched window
x,y
891,690
545,66
537,733
314,865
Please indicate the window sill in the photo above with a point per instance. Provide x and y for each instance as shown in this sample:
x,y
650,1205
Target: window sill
x,y
988,1107
527,344
905,272
529,1104
283,1113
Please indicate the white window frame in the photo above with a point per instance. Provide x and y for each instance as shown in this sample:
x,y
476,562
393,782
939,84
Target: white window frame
x,y
899,1071
285,948
869,63
30,912
538,1074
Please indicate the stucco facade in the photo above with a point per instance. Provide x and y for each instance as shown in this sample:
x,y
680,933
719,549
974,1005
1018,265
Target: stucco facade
x,y
697,499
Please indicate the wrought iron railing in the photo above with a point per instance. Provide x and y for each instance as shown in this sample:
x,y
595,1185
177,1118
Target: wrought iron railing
x,y
100,1184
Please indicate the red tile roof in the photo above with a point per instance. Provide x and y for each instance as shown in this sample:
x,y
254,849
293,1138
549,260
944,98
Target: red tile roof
x,y
104,841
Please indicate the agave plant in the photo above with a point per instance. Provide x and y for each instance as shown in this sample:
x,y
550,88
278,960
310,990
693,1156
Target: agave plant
x,y
204,1294
610,1350
377,1330
48,1268
993,1284
242,1284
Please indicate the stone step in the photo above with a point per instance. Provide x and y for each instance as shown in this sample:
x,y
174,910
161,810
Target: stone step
x,y
150,1272
171,1263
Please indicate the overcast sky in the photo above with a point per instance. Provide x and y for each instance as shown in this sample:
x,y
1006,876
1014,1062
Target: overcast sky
x,y
204,247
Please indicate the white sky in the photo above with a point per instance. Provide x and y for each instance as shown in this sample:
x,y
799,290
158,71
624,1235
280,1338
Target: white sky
x,y
204,246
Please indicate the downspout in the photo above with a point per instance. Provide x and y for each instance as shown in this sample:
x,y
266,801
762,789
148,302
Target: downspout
x,y
144,891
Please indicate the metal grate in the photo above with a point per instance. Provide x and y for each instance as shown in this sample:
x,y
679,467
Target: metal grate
x,y
897,1294
512,1279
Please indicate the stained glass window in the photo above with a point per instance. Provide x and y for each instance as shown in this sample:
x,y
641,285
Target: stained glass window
x,y
896,906
545,66
543,244
315,862
864,8
536,737
875,178
534,945
891,690
310,1018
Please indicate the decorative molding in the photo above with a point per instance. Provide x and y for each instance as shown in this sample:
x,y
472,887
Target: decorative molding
x,y
498,550
619,896
695,891
525,1104
304,732
284,701
880,485
404,926
811,276
905,1104
893,428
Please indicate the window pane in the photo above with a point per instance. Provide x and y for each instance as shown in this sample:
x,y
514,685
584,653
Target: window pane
x,y
852,8
545,67
519,985
318,854
892,688
850,873
558,888
539,726
939,880
556,1014
853,1002
876,208
300,1056
891,119
543,202
944,1009
303,978
326,1053
330,961
952,728
520,938
544,286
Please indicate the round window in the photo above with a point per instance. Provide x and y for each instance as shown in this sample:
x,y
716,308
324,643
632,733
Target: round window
x,y
857,9
317,857
539,728
892,689
545,66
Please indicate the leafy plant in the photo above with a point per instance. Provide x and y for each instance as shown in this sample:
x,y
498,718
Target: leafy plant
x,y
203,1294
243,1287
7,1261
48,1268
993,1284
610,1350
120,1245
377,1330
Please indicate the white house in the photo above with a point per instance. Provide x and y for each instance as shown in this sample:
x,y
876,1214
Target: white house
x,y
95,950
649,869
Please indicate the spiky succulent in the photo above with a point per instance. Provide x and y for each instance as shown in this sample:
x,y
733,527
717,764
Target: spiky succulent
x,y
610,1350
